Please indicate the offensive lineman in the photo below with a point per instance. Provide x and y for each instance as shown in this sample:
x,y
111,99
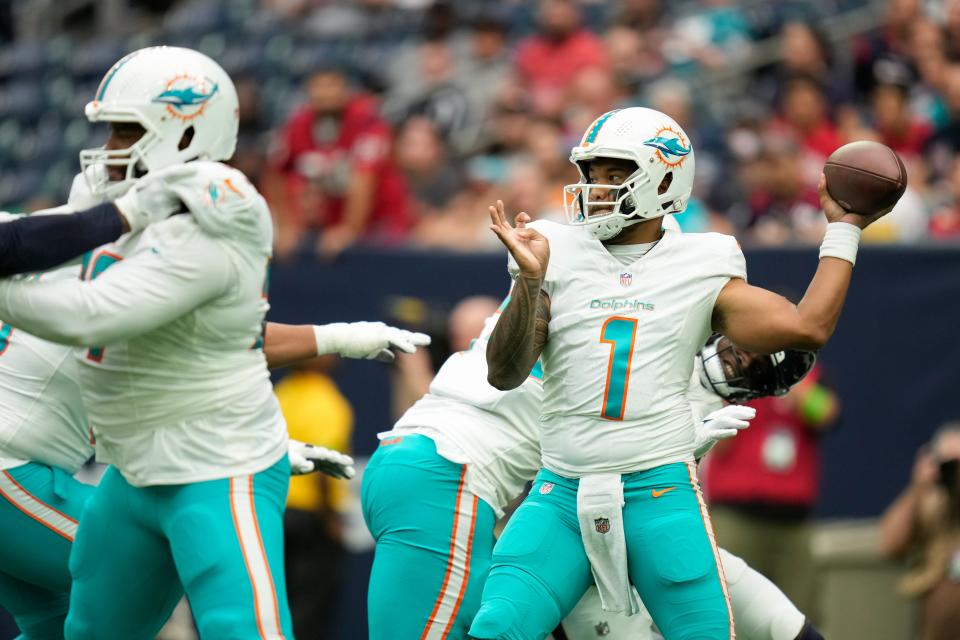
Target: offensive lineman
x,y
616,433
439,480
45,441
180,402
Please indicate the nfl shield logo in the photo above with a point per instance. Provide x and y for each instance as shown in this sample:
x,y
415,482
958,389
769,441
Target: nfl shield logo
x,y
626,279
546,488
602,525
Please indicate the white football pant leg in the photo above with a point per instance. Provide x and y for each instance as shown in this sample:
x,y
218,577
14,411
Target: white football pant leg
x,y
589,621
760,609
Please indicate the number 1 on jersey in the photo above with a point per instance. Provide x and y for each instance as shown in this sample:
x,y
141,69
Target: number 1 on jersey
x,y
620,333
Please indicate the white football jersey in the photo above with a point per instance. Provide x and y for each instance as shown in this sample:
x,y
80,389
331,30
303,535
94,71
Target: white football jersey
x,y
41,411
619,356
495,433
177,392
42,417
702,399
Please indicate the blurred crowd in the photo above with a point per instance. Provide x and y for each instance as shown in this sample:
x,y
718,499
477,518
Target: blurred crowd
x,y
414,151
396,122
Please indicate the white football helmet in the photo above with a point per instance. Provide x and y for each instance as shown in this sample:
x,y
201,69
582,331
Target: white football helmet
x,y
663,155
169,91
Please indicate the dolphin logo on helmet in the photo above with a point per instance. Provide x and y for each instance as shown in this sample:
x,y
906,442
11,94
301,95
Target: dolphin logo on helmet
x,y
185,96
180,98
668,146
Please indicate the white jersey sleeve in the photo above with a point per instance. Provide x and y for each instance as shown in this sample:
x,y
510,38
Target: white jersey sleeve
x,y
135,296
732,264
42,417
702,400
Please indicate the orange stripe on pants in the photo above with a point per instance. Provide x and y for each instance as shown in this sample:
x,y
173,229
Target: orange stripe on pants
x,y
466,575
32,498
713,545
450,556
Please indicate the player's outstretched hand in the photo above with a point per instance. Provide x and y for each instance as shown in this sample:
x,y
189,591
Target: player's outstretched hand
x,y
722,424
376,340
151,198
529,248
307,458
835,213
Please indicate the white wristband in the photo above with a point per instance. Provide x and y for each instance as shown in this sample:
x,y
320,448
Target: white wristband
x,y
841,241
329,337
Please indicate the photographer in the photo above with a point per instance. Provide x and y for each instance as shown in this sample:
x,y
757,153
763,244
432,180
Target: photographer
x,y
924,525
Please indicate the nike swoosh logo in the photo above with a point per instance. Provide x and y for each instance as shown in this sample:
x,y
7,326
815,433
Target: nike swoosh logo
x,y
656,493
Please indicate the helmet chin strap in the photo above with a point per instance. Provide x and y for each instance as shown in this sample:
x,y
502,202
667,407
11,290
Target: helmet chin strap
x,y
609,228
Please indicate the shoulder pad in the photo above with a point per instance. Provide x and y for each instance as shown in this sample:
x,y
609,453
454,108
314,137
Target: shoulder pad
x,y
225,203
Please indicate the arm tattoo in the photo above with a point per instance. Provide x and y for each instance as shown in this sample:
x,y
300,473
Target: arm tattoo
x,y
541,325
519,336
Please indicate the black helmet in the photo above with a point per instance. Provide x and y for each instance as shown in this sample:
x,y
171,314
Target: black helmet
x,y
737,375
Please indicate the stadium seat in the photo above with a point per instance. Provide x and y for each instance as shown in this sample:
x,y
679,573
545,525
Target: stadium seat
x,y
91,61
22,99
26,58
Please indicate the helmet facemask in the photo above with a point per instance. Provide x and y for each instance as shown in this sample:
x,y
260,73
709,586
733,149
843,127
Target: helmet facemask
x,y
661,179
149,152
95,164
636,199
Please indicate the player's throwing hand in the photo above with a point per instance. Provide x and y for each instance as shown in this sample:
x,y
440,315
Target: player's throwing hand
x,y
529,248
835,213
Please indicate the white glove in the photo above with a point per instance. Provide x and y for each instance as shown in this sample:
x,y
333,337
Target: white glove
x,y
306,458
366,340
721,424
81,197
151,198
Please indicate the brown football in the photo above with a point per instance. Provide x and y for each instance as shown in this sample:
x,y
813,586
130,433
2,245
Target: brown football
x,y
865,177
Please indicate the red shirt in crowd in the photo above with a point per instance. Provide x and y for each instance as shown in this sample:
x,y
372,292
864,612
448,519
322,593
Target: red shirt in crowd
x,y
946,223
774,462
547,66
317,156
821,139
909,142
